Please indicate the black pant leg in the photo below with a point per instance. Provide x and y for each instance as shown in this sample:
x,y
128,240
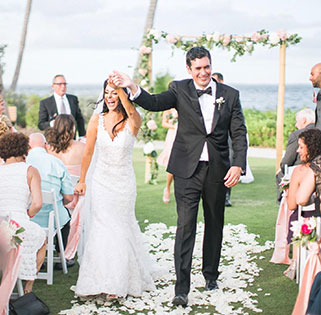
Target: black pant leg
x,y
187,193
213,204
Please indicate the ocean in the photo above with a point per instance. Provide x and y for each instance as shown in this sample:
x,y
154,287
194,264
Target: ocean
x,y
262,97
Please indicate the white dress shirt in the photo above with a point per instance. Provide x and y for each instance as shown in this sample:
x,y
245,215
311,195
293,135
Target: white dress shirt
x,y
207,108
58,102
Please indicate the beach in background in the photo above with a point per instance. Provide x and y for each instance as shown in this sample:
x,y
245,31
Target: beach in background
x,y
262,97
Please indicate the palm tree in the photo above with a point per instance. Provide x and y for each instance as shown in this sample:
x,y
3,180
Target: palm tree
x,y
148,25
22,46
2,48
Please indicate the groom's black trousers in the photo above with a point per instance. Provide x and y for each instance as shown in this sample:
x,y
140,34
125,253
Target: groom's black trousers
x,y
188,192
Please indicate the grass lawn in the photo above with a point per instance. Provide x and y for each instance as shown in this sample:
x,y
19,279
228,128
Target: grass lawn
x,y
253,205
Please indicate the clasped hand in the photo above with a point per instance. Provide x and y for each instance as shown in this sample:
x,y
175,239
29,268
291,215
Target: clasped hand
x,y
80,189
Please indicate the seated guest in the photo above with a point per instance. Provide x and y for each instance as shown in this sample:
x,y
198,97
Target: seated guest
x,y
3,127
54,175
309,147
18,182
62,144
305,119
311,183
3,117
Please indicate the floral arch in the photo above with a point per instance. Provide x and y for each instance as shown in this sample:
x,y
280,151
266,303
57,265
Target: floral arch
x,y
238,44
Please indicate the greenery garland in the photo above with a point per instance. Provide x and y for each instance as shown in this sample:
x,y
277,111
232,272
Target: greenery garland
x,y
239,44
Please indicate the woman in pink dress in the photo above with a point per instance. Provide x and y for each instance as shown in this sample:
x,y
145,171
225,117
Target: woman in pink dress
x,y
62,144
170,122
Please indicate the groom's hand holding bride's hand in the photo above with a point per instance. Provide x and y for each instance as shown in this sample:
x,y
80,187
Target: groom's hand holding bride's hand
x,y
80,189
123,80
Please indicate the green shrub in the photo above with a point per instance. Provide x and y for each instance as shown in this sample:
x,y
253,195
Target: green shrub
x,y
32,114
18,100
261,126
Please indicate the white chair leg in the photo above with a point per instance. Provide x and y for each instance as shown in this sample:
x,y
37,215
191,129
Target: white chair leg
x,y
298,262
62,253
50,250
20,287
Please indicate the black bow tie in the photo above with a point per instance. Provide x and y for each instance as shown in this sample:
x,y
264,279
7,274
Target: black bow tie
x,y
206,91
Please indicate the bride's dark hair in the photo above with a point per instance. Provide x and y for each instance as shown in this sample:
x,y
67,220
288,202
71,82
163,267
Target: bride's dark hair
x,y
120,108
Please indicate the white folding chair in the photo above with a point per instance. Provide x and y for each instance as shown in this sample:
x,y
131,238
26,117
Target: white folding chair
x,y
50,198
302,251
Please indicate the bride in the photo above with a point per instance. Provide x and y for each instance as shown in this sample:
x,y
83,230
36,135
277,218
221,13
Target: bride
x,y
114,261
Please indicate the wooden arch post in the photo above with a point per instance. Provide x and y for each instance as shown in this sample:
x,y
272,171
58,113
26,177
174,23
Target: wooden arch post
x,y
149,159
280,108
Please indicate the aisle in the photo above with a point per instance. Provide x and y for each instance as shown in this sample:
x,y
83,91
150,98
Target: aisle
x,y
238,270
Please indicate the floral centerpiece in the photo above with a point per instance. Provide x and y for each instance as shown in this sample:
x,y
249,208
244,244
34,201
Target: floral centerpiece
x,y
304,231
147,134
11,234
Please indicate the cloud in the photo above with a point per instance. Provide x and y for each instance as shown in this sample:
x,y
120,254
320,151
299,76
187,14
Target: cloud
x,y
98,29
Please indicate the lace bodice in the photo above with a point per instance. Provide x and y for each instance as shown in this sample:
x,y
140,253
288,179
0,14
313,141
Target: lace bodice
x,y
116,152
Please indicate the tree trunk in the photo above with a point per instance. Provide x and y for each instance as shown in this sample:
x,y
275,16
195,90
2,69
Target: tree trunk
x,y
22,46
1,80
148,25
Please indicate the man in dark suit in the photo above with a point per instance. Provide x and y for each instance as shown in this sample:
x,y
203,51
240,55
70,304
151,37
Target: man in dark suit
x,y
207,112
315,78
305,119
60,103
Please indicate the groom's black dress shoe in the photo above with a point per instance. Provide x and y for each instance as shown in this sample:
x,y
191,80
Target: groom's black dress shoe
x,y
211,285
180,299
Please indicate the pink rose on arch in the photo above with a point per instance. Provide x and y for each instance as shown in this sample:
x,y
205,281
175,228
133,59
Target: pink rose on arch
x,y
264,36
282,34
255,37
145,50
151,124
142,72
226,40
172,39
305,229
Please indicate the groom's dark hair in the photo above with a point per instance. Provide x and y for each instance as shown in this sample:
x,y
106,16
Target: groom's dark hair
x,y
197,52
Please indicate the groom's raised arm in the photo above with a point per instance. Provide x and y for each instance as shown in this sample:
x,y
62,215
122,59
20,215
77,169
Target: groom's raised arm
x,y
151,102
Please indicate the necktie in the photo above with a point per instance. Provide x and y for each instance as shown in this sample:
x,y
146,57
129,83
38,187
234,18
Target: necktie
x,y
63,107
206,91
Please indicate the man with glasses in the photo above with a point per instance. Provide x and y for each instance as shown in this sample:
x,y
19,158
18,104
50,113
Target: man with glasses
x,y
60,103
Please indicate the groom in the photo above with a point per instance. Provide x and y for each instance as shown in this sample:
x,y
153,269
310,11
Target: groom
x,y
207,112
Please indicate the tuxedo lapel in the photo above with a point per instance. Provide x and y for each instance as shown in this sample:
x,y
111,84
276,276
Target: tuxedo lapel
x,y
71,105
217,112
195,103
53,108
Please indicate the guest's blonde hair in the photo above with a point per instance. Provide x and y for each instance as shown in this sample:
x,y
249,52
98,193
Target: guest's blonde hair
x,y
3,128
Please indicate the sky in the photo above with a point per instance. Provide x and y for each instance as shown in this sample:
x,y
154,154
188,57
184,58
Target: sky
x,y
86,40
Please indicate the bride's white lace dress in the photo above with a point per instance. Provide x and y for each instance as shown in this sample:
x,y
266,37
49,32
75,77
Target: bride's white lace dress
x,y
114,260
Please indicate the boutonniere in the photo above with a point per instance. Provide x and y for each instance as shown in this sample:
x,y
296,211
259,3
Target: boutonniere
x,y
220,101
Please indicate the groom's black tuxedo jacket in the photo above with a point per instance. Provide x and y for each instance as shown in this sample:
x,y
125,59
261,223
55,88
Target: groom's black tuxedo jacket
x,y
48,111
191,133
